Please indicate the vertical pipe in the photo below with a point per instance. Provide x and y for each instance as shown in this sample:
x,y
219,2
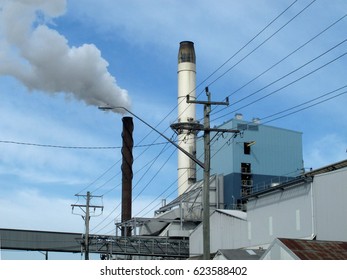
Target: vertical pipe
x,y
127,173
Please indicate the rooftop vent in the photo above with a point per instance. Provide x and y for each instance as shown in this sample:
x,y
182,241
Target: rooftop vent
x,y
238,116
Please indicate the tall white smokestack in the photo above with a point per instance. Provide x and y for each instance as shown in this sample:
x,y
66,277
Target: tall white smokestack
x,y
186,115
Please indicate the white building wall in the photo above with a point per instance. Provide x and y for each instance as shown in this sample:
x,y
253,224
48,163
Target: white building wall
x,y
219,257
225,231
285,213
277,252
330,197
304,211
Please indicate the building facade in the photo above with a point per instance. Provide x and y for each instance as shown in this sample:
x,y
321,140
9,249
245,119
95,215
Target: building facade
x,y
310,207
257,157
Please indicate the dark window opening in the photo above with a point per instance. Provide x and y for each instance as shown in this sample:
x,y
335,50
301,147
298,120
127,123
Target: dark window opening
x,y
247,148
245,167
246,179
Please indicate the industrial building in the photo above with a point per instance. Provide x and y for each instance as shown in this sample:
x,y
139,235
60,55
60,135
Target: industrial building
x,y
255,155
258,188
259,156
312,206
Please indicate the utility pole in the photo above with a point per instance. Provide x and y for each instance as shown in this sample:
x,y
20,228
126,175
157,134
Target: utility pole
x,y
86,218
207,158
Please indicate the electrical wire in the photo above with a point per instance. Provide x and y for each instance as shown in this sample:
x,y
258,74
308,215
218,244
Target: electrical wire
x,y
152,178
307,107
292,113
152,162
244,46
261,44
77,147
280,61
289,84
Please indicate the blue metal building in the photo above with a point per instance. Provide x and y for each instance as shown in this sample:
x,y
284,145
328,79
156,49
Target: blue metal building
x,y
259,157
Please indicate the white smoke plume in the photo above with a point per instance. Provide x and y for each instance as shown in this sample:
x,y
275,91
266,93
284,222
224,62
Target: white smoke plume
x,y
42,60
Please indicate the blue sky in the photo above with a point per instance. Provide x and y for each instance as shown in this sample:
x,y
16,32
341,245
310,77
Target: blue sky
x,y
64,58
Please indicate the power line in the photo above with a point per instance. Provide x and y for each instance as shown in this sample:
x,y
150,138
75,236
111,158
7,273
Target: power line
x,y
153,177
145,187
152,162
289,84
283,59
307,107
292,72
244,46
261,44
294,112
78,147
103,174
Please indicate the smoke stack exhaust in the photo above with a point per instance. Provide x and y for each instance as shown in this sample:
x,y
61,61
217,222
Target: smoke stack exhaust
x,y
42,59
186,115
127,172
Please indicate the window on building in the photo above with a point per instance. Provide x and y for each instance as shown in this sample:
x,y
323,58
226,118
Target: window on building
x,y
246,179
247,148
245,167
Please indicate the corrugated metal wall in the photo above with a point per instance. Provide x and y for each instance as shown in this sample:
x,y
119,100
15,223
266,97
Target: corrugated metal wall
x,y
330,196
275,153
302,211
285,213
226,231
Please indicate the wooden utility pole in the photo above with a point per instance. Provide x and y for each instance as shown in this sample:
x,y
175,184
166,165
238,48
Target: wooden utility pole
x,y
86,218
207,158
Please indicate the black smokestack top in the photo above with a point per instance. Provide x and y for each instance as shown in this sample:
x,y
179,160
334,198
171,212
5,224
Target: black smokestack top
x,y
186,52
127,172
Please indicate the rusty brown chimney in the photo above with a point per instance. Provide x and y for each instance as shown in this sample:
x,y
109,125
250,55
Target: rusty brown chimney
x,y
127,173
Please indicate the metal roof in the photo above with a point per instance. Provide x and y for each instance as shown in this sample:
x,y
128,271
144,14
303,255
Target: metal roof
x,y
328,168
316,249
292,183
233,213
305,178
241,254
